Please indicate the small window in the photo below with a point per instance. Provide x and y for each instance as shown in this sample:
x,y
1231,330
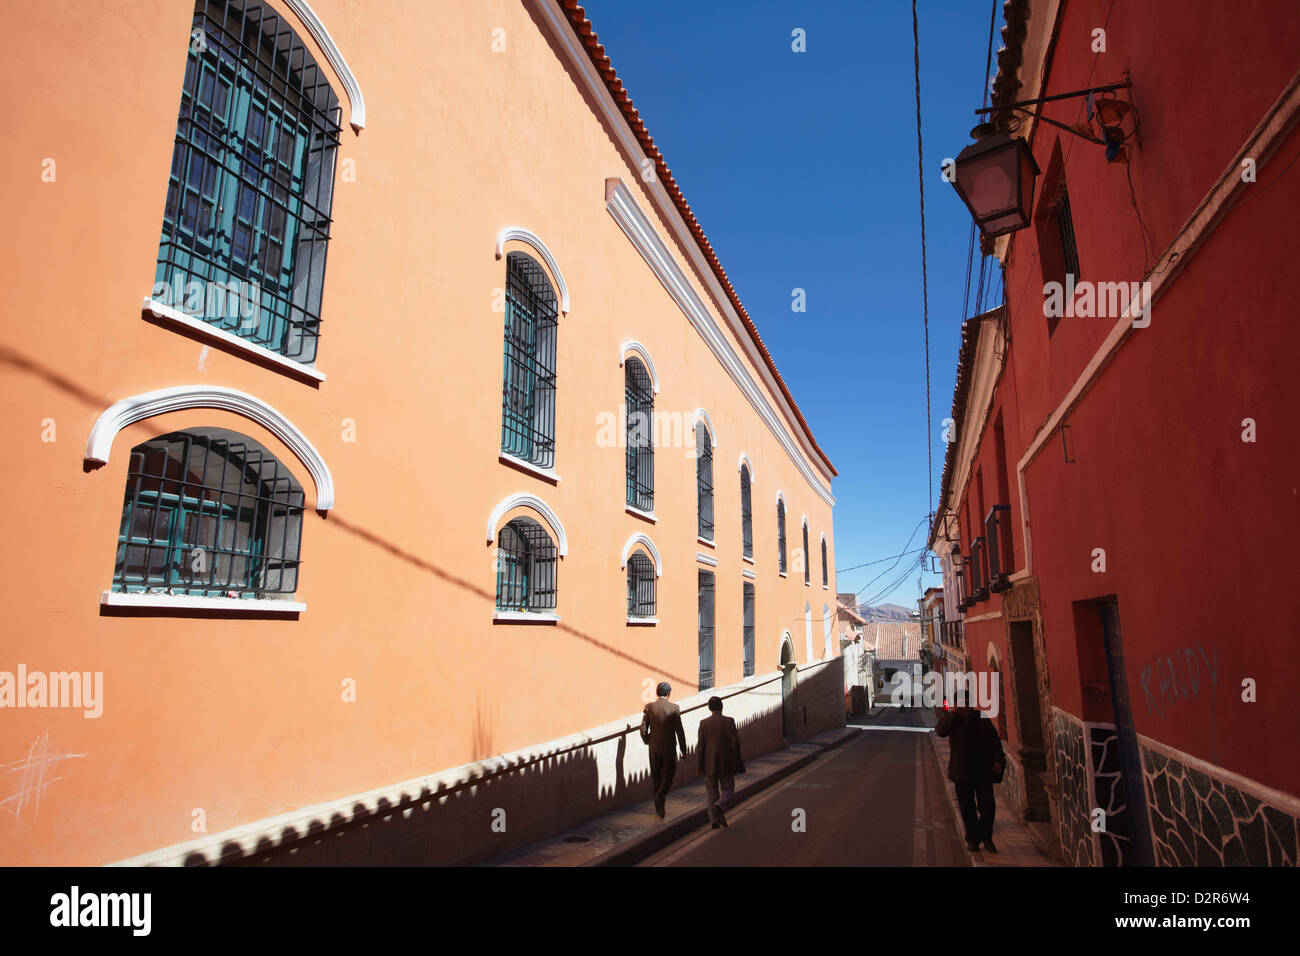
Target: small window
x,y
807,562
528,389
780,536
209,513
704,480
640,586
825,573
746,514
639,394
526,559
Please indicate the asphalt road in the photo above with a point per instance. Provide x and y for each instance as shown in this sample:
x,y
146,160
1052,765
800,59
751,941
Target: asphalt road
x,y
877,800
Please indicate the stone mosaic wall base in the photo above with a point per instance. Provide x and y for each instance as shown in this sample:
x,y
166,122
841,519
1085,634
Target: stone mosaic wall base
x,y
1072,782
1200,820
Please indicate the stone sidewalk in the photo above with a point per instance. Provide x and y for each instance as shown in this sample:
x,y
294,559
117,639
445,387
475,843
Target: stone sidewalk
x,y
1015,846
630,834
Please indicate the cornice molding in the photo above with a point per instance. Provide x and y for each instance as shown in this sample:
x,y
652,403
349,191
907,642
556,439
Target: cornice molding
x,y
530,238
184,397
533,503
627,213
356,101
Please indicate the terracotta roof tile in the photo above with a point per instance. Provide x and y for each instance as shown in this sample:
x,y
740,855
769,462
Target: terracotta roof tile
x,y
587,34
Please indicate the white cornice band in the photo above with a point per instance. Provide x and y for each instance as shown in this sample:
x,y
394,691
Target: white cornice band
x,y
184,397
643,354
708,423
532,502
645,542
530,238
627,213
356,101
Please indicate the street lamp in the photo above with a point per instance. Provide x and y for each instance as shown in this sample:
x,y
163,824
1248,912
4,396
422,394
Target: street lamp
x,y
995,179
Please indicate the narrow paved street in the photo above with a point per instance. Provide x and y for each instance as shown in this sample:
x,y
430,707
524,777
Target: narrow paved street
x,y
877,800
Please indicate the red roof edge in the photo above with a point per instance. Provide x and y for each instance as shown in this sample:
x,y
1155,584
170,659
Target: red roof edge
x,y
587,36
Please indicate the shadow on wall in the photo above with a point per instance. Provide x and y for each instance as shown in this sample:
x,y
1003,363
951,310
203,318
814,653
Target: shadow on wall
x,y
507,802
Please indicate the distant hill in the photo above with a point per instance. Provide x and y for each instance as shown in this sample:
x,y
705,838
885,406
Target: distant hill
x,y
887,612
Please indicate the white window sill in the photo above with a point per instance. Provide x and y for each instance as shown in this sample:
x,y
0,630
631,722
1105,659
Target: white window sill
x,y
545,474
642,621
826,587
783,574
525,617
707,541
752,575
644,515
747,559
194,602
708,559
176,317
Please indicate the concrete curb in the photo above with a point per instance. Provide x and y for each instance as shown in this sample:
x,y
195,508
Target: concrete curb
x,y
637,850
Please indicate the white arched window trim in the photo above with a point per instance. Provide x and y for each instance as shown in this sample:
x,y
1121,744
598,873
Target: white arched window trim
x,y
780,499
641,352
533,503
743,461
128,411
642,541
356,101
702,415
530,238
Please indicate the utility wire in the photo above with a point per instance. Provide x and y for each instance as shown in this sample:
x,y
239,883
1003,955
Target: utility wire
x,y
925,292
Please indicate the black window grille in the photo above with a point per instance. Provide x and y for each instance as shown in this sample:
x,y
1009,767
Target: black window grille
x,y
748,634
746,514
1065,223
704,480
706,630
209,513
979,576
780,536
807,561
998,534
528,385
825,572
525,567
640,586
247,218
639,394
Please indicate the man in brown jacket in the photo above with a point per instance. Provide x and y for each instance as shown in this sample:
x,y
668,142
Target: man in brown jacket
x,y
718,751
975,761
660,722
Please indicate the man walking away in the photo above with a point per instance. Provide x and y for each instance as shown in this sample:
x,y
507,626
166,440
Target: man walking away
x,y
660,721
975,762
718,752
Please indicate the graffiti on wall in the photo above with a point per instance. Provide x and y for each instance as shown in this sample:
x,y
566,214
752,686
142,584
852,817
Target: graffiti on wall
x,y
1179,677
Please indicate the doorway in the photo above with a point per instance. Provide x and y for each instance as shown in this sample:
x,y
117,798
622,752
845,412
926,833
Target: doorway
x,y
1027,703
789,683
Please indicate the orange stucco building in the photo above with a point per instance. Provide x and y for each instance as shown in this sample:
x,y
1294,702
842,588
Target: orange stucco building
x,y
378,522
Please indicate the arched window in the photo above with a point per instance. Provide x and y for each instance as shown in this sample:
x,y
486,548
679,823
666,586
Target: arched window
x,y
528,389
828,623
525,567
640,586
780,535
807,562
704,479
825,573
639,394
807,629
247,216
209,512
746,515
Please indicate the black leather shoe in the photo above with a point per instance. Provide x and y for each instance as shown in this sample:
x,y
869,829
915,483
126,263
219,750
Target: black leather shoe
x,y
659,808
723,821
716,825
972,846
988,845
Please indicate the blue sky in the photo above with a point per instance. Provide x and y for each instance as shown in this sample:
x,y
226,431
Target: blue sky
x,y
801,168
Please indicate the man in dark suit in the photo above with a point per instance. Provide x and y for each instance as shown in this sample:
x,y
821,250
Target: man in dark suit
x,y
975,757
718,752
660,722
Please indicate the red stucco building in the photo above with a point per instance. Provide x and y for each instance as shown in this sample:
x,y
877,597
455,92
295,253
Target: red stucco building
x,y
1119,499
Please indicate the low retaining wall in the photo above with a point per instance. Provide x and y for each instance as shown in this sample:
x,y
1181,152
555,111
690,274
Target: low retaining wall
x,y
476,811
